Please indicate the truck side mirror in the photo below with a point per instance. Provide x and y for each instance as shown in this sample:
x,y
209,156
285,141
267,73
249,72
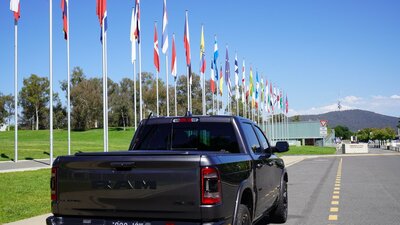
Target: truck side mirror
x,y
281,146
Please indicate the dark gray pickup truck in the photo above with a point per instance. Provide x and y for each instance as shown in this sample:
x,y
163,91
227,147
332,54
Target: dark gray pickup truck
x,y
178,170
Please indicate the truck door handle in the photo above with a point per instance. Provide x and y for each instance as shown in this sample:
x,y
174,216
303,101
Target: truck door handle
x,y
269,163
259,165
123,165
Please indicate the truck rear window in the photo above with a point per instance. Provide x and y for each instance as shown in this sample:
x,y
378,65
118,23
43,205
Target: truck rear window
x,y
189,136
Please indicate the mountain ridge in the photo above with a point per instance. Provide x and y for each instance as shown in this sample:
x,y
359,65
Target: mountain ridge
x,y
354,119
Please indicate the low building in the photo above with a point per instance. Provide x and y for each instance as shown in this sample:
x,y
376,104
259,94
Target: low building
x,y
301,133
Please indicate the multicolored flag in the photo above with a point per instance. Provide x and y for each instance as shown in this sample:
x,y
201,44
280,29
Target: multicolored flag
x,y
164,38
132,35
101,12
212,81
64,8
202,52
215,57
228,72
236,77
221,82
251,87
137,26
173,58
156,55
186,41
243,82
15,7
287,105
271,97
257,85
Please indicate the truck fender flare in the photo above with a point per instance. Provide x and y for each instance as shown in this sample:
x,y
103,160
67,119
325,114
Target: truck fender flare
x,y
243,186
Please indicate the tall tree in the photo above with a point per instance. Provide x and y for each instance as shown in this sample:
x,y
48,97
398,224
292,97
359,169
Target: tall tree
x,y
9,107
34,98
3,112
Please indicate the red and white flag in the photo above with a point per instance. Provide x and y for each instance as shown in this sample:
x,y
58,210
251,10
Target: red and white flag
x,y
15,7
64,8
173,60
156,55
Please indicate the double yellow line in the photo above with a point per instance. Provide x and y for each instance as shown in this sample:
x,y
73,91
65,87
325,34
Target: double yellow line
x,y
334,210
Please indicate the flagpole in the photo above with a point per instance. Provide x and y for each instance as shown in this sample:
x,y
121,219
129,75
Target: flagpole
x,y
158,102
51,79
176,107
134,91
16,90
166,73
104,89
69,85
188,89
140,82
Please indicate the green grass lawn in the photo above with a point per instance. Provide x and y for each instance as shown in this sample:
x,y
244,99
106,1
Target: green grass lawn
x,y
309,150
36,144
24,195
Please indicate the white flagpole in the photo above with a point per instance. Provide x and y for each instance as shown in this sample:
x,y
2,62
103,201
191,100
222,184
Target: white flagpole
x,y
158,102
176,107
104,88
140,82
188,88
69,85
134,91
51,80
166,74
16,90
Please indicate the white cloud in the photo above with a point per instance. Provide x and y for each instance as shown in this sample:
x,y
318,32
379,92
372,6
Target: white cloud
x,y
395,97
386,105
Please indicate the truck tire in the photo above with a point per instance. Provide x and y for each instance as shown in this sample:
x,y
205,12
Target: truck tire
x,y
243,216
279,215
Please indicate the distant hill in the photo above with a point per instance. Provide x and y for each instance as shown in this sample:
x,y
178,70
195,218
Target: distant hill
x,y
354,119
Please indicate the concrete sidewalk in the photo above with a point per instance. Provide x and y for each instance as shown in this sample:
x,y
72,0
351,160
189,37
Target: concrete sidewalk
x,y
24,165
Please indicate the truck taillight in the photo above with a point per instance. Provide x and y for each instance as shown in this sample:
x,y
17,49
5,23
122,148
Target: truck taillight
x,y
53,183
210,186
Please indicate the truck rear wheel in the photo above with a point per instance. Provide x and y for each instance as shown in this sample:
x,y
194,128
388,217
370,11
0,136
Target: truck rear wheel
x,y
243,216
279,215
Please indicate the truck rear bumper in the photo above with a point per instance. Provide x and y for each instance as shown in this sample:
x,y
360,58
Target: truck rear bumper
x,y
56,220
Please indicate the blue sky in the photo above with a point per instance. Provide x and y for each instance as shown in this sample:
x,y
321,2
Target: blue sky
x,y
317,51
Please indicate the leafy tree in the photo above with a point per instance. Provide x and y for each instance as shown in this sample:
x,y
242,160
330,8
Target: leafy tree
x,y
87,104
9,107
296,119
364,135
343,132
34,98
3,111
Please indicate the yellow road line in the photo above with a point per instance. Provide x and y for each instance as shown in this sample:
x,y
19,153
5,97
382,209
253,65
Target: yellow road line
x,y
336,194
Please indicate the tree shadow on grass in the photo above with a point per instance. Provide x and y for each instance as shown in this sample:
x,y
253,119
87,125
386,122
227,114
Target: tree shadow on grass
x,y
46,153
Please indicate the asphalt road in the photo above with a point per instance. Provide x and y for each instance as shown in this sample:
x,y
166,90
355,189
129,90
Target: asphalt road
x,y
352,190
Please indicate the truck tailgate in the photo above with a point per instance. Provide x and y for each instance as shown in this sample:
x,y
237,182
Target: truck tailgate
x,y
152,186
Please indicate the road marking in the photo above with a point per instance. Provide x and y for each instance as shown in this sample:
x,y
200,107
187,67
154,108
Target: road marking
x,y
334,209
333,217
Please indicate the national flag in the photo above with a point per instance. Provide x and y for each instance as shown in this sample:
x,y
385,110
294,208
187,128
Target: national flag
x,y
132,35
287,105
16,8
251,87
186,41
64,8
164,38
243,82
271,97
221,82
202,52
262,89
212,81
137,16
156,55
101,12
236,77
173,60
215,57
257,85
228,72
